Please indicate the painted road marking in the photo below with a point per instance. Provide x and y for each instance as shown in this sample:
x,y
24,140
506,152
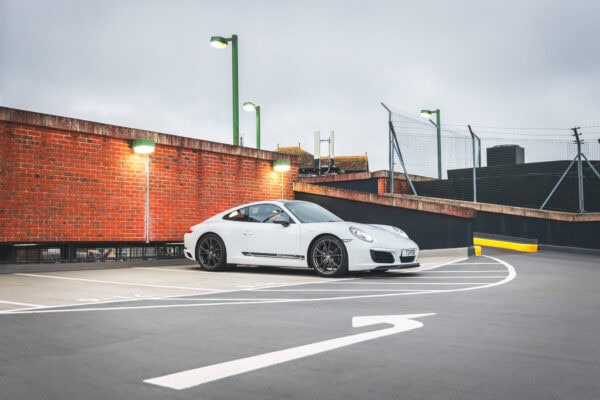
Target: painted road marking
x,y
402,280
489,271
116,282
198,376
209,302
473,263
16,303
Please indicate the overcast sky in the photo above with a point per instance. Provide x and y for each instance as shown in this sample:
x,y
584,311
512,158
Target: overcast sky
x,y
310,65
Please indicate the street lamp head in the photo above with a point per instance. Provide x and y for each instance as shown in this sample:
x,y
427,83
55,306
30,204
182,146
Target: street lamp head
x,y
143,146
426,113
249,106
218,42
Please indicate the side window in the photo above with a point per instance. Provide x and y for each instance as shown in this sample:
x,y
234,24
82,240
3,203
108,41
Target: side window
x,y
238,215
263,213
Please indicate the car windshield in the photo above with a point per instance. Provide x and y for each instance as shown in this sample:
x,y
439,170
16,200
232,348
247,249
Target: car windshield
x,y
310,212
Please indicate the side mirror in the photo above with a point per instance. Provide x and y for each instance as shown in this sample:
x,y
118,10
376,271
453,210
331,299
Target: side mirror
x,y
282,219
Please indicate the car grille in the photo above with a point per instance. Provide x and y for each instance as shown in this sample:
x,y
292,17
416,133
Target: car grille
x,y
407,259
382,257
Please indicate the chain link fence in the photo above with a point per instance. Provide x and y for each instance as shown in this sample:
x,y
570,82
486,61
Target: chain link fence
x,y
534,162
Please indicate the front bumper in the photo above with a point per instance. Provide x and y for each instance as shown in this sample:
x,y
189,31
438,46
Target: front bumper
x,y
363,257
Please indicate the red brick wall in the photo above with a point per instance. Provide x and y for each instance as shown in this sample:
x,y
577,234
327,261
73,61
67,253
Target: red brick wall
x,y
66,180
400,186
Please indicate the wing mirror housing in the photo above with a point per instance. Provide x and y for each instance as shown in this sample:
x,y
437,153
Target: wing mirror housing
x,y
282,219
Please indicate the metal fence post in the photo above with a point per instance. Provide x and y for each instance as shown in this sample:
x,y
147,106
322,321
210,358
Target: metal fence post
x,y
473,136
579,170
390,149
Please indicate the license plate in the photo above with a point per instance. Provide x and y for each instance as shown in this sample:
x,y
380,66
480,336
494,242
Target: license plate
x,y
409,252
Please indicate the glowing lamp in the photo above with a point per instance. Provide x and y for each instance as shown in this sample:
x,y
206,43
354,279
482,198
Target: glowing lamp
x,y
143,146
281,165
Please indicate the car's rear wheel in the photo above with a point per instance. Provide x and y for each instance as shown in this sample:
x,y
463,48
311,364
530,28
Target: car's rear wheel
x,y
328,256
211,253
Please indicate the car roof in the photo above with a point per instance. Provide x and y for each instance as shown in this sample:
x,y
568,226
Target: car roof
x,y
279,201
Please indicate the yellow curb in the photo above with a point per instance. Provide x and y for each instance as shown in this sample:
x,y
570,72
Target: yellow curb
x,y
477,250
524,247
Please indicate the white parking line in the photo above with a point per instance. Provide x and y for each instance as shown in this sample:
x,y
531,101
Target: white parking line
x,y
118,283
168,269
15,303
88,302
489,271
405,278
369,283
475,263
208,302
348,290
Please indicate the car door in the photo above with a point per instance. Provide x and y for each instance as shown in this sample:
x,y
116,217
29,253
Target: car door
x,y
231,231
270,243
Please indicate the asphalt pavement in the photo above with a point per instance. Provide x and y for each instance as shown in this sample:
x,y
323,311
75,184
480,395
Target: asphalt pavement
x,y
504,325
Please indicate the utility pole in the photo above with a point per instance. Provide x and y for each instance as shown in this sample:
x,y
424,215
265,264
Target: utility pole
x,y
577,158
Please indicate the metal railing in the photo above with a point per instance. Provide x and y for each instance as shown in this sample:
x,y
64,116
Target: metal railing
x,y
87,252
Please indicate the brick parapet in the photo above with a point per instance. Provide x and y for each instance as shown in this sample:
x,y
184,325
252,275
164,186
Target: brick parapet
x,y
53,122
68,180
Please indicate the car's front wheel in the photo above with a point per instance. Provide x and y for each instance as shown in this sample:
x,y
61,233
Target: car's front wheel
x,y
328,256
211,253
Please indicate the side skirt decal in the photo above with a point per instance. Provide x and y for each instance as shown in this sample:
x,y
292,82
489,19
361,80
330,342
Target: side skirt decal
x,y
273,255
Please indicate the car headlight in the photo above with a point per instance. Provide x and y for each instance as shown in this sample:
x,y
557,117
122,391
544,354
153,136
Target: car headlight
x,y
362,235
400,232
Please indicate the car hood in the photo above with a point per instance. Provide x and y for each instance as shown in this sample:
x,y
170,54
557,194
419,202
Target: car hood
x,y
380,230
381,233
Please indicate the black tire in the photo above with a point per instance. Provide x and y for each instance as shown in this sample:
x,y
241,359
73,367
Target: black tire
x,y
211,253
328,256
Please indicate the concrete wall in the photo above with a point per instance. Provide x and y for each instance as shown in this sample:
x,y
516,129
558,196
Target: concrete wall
x,y
442,223
520,185
580,234
370,182
68,180
432,225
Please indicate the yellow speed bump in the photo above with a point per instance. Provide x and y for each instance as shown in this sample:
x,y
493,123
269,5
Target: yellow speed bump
x,y
505,242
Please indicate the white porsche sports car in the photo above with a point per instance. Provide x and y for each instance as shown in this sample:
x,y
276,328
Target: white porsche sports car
x,y
297,234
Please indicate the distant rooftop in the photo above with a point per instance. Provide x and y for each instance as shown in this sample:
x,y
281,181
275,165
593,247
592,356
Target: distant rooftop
x,y
341,163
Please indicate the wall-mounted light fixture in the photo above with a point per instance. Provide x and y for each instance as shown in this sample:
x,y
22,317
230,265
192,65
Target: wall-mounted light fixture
x,y
281,166
145,147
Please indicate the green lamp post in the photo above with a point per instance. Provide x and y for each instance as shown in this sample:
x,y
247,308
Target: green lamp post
x,y
250,106
427,114
220,42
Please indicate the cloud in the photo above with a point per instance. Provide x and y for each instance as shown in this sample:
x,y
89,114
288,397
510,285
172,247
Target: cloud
x,y
310,65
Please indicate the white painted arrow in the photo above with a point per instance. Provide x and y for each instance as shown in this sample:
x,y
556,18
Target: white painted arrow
x,y
194,377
